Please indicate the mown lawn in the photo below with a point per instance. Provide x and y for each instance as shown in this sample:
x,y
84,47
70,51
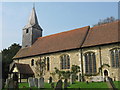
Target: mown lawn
x,y
75,85
23,85
78,85
89,85
26,85
117,84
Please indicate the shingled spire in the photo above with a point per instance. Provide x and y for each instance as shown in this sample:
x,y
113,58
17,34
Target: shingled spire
x,y
32,30
33,21
33,18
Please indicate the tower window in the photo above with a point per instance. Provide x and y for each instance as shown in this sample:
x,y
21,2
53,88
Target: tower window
x,y
27,30
32,62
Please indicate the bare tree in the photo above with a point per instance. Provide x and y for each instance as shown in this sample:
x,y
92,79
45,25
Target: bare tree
x,y
104,21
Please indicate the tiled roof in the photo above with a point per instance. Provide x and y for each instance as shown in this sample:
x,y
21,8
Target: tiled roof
x,y
103,34
22,52
24,68
73,39
57,42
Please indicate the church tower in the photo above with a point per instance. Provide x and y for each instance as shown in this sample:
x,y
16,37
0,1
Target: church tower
x,y
31,31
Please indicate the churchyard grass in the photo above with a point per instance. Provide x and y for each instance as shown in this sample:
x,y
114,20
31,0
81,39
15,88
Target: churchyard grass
x,y
89,85
21,85
117,84
79,85
26,85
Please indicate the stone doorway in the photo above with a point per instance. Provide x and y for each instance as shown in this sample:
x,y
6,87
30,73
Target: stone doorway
x,y
105,73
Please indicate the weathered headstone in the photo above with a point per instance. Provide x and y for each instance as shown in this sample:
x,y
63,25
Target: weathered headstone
x,y
50,80
2,82
35,82
65,83
11,84
87,82
80,77
6,83
31,82
71,79
15,84
41,82
59,85
52,85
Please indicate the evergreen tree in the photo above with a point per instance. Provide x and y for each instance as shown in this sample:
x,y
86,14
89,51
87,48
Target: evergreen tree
x,y
7,55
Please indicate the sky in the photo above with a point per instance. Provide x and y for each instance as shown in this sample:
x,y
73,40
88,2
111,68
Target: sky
x,y
53,17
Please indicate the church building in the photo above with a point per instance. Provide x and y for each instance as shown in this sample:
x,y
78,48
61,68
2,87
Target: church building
x,y
96,50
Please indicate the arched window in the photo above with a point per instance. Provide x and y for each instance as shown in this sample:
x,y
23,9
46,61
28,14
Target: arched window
x,y
48,64
90,63
65,61
115,57
32,62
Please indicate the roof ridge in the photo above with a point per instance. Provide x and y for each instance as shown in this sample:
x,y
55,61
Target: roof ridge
x,y
62,32
85,37
105,24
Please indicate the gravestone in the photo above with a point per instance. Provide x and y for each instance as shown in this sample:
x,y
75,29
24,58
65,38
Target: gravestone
x,y
35,82
6,83
2,82
87,82
41,82
52,85
80,77
31,82
65,83
71,79
59,85
50,80
11,83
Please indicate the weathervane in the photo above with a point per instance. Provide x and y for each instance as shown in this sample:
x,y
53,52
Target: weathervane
x,y
33,4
